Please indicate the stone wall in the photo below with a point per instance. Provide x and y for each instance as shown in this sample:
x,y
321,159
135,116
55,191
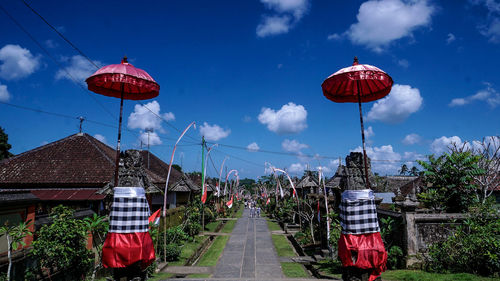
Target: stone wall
x,y
415,232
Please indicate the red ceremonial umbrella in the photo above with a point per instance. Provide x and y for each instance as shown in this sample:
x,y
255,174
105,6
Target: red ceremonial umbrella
x,y
123,81
358,83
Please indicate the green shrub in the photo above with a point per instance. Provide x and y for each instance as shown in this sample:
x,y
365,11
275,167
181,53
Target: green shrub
x,y
172,252
474,247
62,245
304,237
176,235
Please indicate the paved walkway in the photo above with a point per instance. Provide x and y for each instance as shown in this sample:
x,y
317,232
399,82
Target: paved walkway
x,y
250,252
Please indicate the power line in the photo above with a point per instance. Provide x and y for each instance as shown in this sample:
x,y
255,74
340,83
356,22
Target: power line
x,y
59,33
83,55
88,120
54,60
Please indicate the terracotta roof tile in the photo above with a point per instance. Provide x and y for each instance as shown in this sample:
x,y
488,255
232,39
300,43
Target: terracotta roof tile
x,y
75,160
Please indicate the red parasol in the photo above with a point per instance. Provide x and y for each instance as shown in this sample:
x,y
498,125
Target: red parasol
x,y
123,81
358,83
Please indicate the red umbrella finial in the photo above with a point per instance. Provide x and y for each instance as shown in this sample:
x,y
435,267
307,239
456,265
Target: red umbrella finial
x,y
355,61
124,60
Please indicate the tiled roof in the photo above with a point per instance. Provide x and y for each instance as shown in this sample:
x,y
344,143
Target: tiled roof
x,y
158,170
77,160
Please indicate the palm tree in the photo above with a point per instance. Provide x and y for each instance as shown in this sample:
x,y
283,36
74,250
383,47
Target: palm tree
x,y
404,170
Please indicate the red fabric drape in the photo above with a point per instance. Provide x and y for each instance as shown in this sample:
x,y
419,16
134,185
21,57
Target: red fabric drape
x,y
124,249
370,251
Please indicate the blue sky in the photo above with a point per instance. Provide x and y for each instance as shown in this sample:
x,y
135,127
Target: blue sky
x,y
250,72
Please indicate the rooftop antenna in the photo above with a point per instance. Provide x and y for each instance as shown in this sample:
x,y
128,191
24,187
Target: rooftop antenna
x,y
81,118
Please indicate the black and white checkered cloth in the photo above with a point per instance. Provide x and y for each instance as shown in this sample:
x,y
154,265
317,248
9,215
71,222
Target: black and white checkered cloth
x,y
130,211
358,216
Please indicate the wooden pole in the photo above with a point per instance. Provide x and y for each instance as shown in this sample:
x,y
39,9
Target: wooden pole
x,y
368,186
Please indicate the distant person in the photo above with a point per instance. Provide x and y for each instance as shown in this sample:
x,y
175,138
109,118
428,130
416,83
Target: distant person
x,y
252,211
258,212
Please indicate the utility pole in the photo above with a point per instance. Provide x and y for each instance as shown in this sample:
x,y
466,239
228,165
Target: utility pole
x,y
149,130
202,182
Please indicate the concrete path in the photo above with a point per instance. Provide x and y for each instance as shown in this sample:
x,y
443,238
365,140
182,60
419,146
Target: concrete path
x,y
250,252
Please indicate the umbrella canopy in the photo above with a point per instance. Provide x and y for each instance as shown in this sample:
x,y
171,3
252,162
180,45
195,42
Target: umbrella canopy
x,y
122,81
370,82
358,83
114,79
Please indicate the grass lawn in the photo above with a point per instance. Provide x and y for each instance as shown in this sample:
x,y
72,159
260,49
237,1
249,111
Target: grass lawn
x,y
282,246
239,214
211,226
160,276
211,256
188,250
273,225
418,275
293,270
228,227
328,267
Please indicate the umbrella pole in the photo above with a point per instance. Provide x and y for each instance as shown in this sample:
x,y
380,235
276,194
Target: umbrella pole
x,y
363,137
117,160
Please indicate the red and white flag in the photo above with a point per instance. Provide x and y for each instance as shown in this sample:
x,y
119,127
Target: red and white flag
x,y
229,203
204,195
268,200
155,218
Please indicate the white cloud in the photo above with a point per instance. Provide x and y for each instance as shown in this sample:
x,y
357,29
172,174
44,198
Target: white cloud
x,y
397,106
381,22
404,63
290,119
492,31
101,138
79,68
50,44
247,119
253,147
296,168
440,145
412,139
4,93
334,36
154,139
273,25
489,95
295,7
146,117
17,62
390,163
293,146
491,27
369,132
169,116
411,155
285,14
213,132
450,38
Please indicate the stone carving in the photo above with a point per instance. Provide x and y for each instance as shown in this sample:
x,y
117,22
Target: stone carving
x,y
352,175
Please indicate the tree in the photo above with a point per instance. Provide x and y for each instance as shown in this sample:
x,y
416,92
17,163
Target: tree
x,y
414,171
4,145
177,167
15,236
98,226
62,245
404,170
488,151
451,179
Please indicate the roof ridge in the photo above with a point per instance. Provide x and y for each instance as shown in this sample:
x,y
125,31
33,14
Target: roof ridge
x,y
45,146
91,141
